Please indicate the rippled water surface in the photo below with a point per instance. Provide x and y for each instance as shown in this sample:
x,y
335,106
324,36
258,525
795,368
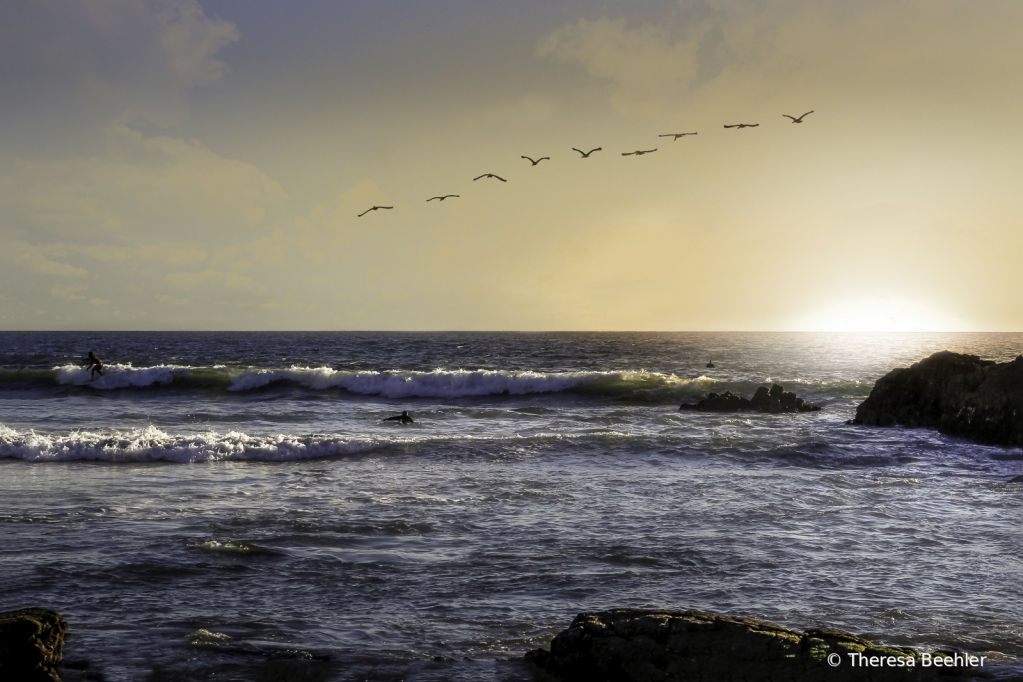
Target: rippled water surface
x,y
231,506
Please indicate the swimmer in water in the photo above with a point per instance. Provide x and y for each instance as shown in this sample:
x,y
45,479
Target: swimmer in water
x,y
96,364
402,418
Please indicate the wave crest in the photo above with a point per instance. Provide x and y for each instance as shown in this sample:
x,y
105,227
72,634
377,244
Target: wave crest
x,y
150,443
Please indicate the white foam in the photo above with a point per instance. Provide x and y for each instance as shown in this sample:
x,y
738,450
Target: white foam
x,y
151,443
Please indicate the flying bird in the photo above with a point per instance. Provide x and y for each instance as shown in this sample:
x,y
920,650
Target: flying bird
x,y
538,160
798,120
638,153
446,196
745,125
676,135
373,209
586,155
490,175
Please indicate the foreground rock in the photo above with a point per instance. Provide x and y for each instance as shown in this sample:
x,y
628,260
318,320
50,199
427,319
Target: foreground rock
x,y
31,645
776,400
638,645
960,395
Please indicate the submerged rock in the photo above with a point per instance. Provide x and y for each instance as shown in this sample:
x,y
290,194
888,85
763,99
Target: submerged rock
x,y
31,645
640,645
774,400
958,394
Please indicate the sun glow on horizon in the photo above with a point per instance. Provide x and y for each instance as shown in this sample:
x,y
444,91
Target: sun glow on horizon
x,y
879,314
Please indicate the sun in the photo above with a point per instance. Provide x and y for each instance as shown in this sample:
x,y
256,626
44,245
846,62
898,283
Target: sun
x,y
878,314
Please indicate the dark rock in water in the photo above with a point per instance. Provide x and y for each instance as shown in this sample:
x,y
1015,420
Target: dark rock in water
x,y
31,645
958,394
639,645
1017,479
774,400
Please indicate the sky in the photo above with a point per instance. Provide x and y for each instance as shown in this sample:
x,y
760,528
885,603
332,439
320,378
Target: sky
x,y
202,164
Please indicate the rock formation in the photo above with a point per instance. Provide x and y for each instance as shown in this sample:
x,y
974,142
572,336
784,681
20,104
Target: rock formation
x,y
31,645
960,395
639,645
774,401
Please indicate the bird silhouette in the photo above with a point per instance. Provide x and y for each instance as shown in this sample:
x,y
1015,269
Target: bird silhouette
x,y
446,196
490,175
586,155
373,209
710,365
798,120
538,160
638,152
744,125
676,135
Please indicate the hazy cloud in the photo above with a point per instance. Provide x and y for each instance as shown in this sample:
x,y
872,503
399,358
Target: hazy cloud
x,y
21,254
149,183
648,66
86,61
68,291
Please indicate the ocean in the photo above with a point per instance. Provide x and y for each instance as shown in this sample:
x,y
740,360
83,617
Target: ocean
x,y
232,506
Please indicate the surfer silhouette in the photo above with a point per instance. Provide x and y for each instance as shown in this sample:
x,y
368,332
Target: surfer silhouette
x,y
402,418
96,364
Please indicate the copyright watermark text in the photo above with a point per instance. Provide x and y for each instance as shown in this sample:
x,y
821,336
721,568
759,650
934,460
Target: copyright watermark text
x,y
860,660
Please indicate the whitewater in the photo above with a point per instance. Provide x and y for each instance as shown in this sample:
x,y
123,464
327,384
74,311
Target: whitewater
x,y
218,503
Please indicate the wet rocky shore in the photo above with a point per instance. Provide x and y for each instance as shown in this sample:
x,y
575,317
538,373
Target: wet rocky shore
x,y
957,394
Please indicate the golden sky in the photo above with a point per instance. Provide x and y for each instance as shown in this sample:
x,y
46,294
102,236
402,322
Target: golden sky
x,y
200,164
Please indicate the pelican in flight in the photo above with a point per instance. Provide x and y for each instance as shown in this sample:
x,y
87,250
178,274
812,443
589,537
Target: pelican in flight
x,y
676,135
490,175
798,120
446,196
538,160
638,152
373,209
586,155
744,125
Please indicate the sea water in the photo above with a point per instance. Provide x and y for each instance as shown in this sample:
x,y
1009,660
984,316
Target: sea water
x,y
226,505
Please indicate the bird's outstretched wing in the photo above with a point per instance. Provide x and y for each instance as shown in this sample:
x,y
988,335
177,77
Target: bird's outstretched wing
x,y
482,176
629,153
530,160
648,151
805,115
580,151
794,119
735,126
365,212
499,178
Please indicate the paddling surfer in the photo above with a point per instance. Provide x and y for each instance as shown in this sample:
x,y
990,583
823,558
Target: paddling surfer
x,y
402,418
96,364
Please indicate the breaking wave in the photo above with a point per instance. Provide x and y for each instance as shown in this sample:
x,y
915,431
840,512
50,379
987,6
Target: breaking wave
x,y
394,384
152,444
